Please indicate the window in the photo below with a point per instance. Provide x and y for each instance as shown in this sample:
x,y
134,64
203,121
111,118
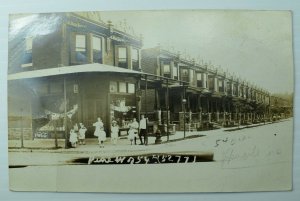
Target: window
x,y
80,48
229,91
199,79
122,87
167,70
221,85
241,91
135,59
175,73
113,87
211,83
235,89
97,49
122,57
191,76
27,57
185,75
131,88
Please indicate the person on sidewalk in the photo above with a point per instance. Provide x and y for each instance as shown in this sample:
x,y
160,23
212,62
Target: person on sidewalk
x,y
82,132
143,130
73,137
114,132
99,132
133,131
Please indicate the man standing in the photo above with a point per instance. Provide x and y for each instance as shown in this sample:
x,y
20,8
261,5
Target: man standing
x,y
143,130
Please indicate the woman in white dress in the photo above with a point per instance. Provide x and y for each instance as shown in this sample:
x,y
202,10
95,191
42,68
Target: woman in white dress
x,y
99,132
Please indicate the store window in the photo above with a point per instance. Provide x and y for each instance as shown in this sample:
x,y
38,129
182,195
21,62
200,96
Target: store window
x,y
131,88
27,57
80,48
122,87
113,87
135,59
97,49
122,57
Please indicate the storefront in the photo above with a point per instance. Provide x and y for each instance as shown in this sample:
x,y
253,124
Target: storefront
x,y
65,96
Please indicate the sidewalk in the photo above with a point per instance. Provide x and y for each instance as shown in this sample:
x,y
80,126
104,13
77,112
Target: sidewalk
x,y
92,143
122,144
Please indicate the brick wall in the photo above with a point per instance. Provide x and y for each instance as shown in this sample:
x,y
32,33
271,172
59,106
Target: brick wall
x,y
149,60
150,101
46,50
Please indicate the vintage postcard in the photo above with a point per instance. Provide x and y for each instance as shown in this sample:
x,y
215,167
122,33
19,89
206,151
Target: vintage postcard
x,y
151,101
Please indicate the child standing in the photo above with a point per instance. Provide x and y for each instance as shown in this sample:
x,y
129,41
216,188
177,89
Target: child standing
x,y
82,131
73,137
133,131
114,132
99,132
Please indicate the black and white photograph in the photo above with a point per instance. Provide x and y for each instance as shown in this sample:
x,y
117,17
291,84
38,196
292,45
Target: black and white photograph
x,y
150,101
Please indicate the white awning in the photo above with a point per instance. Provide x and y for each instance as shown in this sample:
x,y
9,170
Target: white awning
x,y
96,67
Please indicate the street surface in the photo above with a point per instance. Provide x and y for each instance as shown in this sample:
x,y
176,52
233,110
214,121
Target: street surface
x,y
258,158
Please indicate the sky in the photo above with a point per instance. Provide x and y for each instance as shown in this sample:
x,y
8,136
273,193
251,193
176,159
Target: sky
x,y
254,45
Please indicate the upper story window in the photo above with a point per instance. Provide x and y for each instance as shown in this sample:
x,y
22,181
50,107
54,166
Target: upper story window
x,y
229,89
80,48
199,80
135,58
122,57
175,73
184,75
27,57
240,92
221,85
211,82
97,49
167,70
191,80
235,89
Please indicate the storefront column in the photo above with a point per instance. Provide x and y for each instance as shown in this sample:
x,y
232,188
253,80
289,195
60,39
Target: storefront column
x,y
138,99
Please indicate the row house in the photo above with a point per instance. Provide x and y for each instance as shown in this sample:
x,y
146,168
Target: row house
x,y
74,64
211,95
75,67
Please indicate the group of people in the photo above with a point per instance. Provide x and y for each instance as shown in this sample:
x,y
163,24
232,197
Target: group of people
x,y
136,130
77,134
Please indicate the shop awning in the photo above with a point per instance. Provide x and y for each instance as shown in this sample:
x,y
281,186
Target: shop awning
x,y
97,68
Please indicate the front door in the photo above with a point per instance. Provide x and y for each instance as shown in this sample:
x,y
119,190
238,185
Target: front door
x,y
94,108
